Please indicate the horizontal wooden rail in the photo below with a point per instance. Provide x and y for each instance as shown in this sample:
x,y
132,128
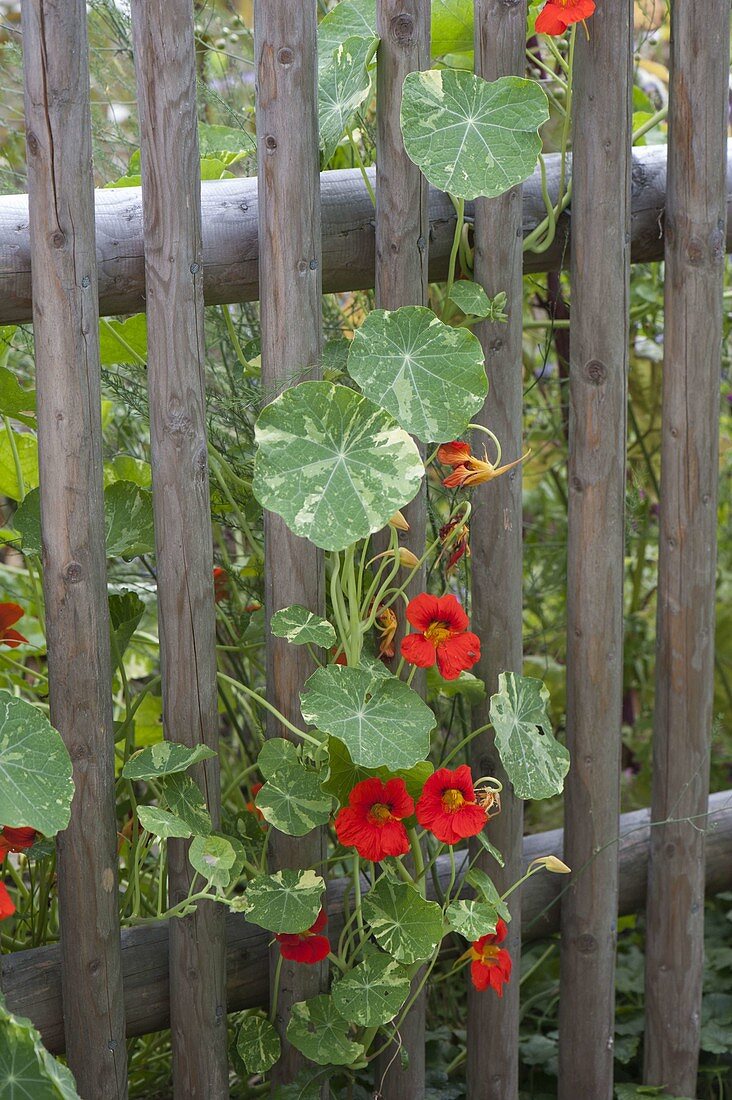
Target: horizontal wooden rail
x,y
31,980
230,248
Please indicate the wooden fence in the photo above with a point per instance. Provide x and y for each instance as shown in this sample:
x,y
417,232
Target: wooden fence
x,y
616,216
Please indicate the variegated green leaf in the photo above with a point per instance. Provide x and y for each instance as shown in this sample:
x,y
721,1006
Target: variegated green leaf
x,y
27,1070
344,774
535,762
373,992
185,800
332,464
471,137
257,1044
452,25
161,823
403,923
275,753
382,722
474,302
287,901
36,787
302,627
165,758
428,375
484,886
213,857
472,918
318,1031
349,19
292,800
344,83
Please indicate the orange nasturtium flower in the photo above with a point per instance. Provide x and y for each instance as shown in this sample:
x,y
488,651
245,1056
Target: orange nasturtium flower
x,y
466,468
557,15
490,965
9,614
448,806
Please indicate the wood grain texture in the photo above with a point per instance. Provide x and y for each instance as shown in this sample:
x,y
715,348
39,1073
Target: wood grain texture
x,y
600,280
65,323
290,264
687,545
31,979
230,225
496,548
166,86
400,279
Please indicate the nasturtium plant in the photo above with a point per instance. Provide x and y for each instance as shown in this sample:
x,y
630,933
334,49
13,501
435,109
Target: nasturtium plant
x,y
213,857
27,1070
293,801
334,465
275,753
287,901
257,1044
373,992
302,627
36,787
535,762
382,722
164,758
472,918
318,1031
344,774
20,448
472,299
404,924
185,800
469,136
428,375
344,83
129,520
162,823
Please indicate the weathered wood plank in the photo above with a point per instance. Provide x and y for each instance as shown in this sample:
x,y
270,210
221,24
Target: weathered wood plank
x,y
230,220
600,280
65,319
31,979
402,246
687,543
496,548
166,86
290,260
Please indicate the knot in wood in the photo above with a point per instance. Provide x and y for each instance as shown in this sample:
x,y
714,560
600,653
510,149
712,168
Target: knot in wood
x,y
285,56
596,372
74,572
402,29
58,239
270,143
32,143
587,944
695,252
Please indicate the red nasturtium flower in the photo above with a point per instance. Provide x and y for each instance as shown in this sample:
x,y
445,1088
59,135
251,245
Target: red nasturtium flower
x,y
459,545
443,636
6,903
557,15
9,614
251,805
466,468
306,947
448,807
16,840
490,965
372,821
222,588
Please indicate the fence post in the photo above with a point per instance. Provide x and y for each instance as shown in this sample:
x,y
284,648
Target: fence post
x,y
694,279
600,277
290,308
496,547
65,328
402,250
166,86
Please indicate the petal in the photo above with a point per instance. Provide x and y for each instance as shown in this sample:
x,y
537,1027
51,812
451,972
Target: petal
x,y
501,932
366,794
450,612
422,611
9,614
398,799
418,650
480,974
354,831
469,821
310,949
453,454
13,638
457,654
393,840
549,21
7,908
458,477
320,922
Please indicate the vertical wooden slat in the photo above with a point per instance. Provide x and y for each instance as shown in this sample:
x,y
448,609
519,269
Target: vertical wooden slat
x,y
496,547
166,85
402,243
597,433
65,326
290,304
694,275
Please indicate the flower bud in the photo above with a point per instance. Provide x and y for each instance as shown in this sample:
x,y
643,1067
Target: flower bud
x,y
398,522
551,863
407,558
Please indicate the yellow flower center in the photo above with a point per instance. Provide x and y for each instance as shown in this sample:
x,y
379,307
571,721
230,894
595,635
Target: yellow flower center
x,y
488,954
380,813
437,633
452,800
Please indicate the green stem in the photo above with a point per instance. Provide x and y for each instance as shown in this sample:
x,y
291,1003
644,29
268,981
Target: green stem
x,y
238,686
16,458
449,308
362,166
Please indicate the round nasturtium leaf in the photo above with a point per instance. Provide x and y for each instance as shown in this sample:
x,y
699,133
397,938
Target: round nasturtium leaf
x,y
257,1044
302,627
373,992
382,722
275,753
343,85
213,857
27,1070
186,801
428,375
292,800
403,923
318,1031
164,758
332,464
472,918
535,762
36,787
287,901
469,136
162,824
